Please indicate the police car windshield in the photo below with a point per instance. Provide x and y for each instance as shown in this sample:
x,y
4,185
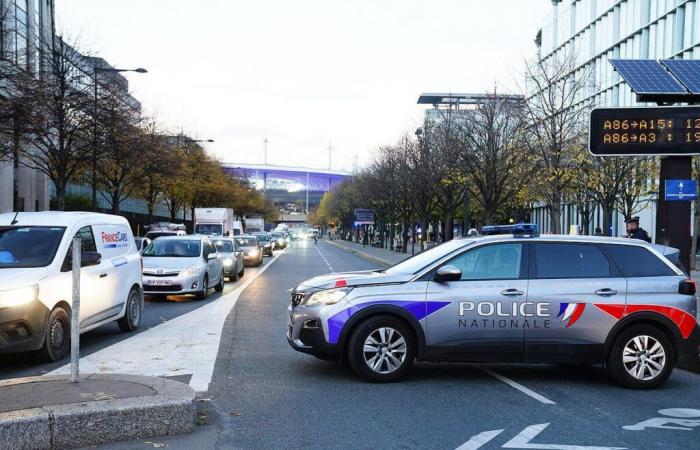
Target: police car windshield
x,y
174,248
419,262
22,247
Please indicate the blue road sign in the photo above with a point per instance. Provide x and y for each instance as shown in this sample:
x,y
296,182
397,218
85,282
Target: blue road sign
x,y
681,190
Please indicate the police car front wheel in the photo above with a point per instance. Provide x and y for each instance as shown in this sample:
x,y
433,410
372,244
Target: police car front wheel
x,y
642,357
381,349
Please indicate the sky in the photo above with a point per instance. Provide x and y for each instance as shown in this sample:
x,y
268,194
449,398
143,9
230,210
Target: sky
x,y
304,74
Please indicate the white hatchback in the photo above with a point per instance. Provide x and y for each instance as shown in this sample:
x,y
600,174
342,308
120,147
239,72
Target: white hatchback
x,y
36,280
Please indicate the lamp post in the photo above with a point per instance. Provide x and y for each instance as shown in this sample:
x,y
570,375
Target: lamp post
x,y
97,69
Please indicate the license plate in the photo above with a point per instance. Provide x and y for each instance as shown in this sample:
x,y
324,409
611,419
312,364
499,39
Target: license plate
x,y
159,282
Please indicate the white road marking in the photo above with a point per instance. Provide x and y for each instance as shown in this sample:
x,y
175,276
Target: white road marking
x,y
518,386
522,440
479,440
187,344
324,259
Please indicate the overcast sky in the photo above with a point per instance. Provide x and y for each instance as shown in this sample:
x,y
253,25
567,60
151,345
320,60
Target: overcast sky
x,y
303,73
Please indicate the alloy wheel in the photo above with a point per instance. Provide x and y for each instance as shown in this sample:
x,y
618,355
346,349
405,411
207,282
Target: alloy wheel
x,y
644,357
384,350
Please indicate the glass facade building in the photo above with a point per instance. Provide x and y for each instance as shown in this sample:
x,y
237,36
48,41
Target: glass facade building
x,y
596,31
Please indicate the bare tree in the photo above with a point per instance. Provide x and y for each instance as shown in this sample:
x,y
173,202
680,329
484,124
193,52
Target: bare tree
x,y
556,117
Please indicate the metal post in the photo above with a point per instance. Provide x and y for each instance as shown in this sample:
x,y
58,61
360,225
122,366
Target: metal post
x,y
75,313
94,147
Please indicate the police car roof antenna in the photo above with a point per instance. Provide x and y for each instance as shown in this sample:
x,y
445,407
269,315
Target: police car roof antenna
x,y
14,219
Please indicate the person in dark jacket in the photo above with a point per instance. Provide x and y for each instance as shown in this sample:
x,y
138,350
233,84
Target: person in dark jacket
x,y
598,232
634,231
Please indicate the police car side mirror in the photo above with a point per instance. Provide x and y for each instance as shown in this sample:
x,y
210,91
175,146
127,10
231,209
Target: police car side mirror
x,y
448,273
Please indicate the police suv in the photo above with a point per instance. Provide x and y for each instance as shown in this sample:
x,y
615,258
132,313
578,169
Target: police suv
x,y
513,298
36,281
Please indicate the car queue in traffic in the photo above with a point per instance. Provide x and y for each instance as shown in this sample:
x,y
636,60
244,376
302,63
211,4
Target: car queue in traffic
x,y
118,273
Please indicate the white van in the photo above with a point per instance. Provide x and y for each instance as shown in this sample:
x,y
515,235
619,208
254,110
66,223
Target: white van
x,y
36,280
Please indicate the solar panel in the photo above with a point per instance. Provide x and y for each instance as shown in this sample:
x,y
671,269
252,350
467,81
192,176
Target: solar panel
x,y
647,76
686,70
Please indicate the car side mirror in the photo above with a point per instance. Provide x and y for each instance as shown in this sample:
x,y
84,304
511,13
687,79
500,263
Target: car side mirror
x,y
211,256
448,273
88,259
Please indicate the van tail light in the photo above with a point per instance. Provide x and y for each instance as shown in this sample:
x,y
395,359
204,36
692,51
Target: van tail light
x,y
687,287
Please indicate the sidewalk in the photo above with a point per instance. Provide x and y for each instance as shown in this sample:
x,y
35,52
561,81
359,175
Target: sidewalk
x,y
51,412
376,255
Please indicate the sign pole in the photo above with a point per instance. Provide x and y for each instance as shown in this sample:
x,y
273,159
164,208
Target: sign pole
x,y
75,313
673,219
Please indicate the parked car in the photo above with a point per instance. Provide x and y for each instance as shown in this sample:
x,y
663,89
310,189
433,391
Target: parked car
x,y
234,265
249,245
523,298
36,280
265,242
176,265
279,239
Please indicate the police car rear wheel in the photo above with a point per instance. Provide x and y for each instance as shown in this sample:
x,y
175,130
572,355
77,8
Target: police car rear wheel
x,y
57,336
642,357
381,349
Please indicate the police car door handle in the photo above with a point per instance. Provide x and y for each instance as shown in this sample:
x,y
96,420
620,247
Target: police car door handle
x,y
511,292
606,292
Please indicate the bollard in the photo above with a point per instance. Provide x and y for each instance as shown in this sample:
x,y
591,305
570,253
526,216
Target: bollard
x,y
75,312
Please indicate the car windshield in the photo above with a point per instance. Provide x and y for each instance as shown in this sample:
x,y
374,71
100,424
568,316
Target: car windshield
x,y
417,263
224,246
247,241
29,246
176,248
157,234
278,235
262,237
210,229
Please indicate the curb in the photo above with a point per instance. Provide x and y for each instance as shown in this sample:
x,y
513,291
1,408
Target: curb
x,y
170,410
361,254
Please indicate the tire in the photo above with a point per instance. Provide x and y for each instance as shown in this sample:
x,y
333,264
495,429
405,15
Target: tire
x,y
389,332
56,336
132,315
234,277
242,272
204,293
220,285
649,364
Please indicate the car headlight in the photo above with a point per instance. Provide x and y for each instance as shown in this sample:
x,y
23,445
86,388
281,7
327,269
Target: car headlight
x,y
228,262
253,252
193,270
17,297
327,297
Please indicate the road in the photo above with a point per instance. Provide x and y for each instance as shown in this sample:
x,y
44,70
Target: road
x,y
155,313
265,395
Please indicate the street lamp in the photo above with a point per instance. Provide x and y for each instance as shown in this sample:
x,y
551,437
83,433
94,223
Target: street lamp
x,y
97,69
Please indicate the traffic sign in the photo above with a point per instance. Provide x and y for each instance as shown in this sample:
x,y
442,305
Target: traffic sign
x,y
364,217
645,131
680,190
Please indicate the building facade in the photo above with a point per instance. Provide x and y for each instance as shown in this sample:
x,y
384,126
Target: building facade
x,y
25,27
596,31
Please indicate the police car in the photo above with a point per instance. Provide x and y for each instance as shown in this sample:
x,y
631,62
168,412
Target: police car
x,y
509,298
36,280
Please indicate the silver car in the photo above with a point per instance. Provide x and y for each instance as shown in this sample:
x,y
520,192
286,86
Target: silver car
x,y
176,265
234,265
519,298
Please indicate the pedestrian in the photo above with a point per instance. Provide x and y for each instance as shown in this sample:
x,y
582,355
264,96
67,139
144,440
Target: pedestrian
x,y
598,232
634,231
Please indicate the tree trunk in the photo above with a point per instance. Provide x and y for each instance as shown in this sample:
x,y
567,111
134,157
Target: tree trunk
x,y
61,196
607,218
555,215
449,226
392,234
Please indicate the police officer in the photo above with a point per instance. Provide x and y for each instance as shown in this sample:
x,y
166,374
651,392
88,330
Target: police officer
x,y
634,231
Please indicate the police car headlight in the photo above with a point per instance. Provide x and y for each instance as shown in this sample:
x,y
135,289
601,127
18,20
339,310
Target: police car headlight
x,y
327,297
17,297
228,262
193,270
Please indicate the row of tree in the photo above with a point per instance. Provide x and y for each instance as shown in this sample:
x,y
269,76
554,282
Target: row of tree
x,y
62,119
496,160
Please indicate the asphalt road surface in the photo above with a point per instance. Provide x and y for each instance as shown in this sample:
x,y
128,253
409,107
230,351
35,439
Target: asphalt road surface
x,y
155,313
265,395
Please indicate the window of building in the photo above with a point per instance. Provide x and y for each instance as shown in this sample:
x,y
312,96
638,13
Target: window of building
x,y
21,32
